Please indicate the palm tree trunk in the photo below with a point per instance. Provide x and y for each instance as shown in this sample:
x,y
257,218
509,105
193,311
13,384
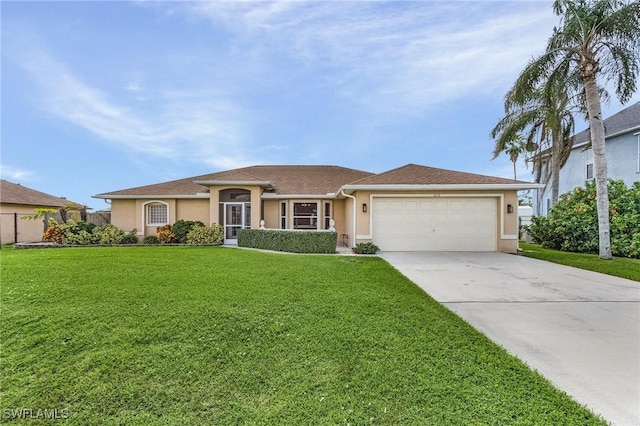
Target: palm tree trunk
x,y
515,177
599,164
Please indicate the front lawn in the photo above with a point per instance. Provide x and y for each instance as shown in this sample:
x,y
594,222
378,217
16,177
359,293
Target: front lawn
x,y
619,266
188,335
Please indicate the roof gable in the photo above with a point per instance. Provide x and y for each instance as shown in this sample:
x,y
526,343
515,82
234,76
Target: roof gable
x,y
14,193
413,174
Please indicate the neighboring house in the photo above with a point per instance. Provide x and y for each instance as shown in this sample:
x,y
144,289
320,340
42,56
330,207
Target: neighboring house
x,y
409,208
16,202
622,141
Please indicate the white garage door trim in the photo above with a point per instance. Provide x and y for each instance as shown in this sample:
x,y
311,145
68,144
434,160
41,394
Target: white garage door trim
x,y
486,241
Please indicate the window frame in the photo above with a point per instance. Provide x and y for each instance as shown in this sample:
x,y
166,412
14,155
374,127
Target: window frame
x,y
327,214
283,215
589,164
148,214
589,171
313,218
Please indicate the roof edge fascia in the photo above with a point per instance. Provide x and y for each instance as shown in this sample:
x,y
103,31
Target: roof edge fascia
x,y
149,197
271,196
442,187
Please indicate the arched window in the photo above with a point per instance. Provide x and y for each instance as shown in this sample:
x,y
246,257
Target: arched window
x,y
156,213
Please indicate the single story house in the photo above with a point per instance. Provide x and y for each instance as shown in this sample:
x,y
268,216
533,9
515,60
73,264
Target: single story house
x,y
411,208
18,201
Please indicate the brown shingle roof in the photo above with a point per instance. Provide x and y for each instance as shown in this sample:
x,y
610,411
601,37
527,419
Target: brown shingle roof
x,y
302,180
413,174
14,193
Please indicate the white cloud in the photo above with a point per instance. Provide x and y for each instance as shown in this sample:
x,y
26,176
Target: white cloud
x,y
15,174
191,125
395,54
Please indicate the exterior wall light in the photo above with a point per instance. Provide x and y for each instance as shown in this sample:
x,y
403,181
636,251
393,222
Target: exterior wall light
x,y
364,207
509,208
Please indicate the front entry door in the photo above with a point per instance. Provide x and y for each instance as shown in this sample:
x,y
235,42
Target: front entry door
x,y
236,216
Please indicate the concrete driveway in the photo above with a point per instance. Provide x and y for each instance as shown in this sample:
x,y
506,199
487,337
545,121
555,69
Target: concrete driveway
x,y
579,329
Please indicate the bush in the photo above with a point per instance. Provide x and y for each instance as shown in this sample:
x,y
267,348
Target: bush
x,y
71,232
83,233
108,234
81,238
130,237
366,248
288,241
181,228
200,234
164,234
54,233
150,239
573,222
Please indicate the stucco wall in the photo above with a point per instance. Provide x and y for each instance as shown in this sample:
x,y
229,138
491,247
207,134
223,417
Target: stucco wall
x,y
125,216
271,214
338,216
189,209
622,163
27,230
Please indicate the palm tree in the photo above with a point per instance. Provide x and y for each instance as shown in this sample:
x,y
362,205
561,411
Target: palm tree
x,y
596,39
514,148
545,117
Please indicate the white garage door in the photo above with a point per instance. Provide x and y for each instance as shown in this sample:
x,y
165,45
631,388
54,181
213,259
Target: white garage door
x,y
435,224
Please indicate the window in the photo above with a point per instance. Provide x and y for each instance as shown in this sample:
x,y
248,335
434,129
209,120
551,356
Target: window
x,y
327,215
157,214
589,159
305,215
283,215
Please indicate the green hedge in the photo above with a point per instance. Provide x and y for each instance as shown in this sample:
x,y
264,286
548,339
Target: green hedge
x,y
289,241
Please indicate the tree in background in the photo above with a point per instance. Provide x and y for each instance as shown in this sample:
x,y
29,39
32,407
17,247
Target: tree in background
x,y
597,42
545,117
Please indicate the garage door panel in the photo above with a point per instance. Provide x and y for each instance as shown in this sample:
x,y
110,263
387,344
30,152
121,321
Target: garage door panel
x,y
435,224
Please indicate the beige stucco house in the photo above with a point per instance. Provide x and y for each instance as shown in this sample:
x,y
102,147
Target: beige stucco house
x,y
411,208
18,201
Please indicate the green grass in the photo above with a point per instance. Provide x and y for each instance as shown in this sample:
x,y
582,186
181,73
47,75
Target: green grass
x,y
186,335
619,266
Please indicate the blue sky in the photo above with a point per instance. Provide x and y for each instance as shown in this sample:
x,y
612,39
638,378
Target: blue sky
x,y
100,96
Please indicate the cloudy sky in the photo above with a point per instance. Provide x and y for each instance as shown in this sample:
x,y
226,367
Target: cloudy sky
x,y
100,96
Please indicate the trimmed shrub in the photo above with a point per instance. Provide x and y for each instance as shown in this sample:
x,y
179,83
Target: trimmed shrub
x,y
182,227
206,235
150,239
288,241
366,248
573,222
